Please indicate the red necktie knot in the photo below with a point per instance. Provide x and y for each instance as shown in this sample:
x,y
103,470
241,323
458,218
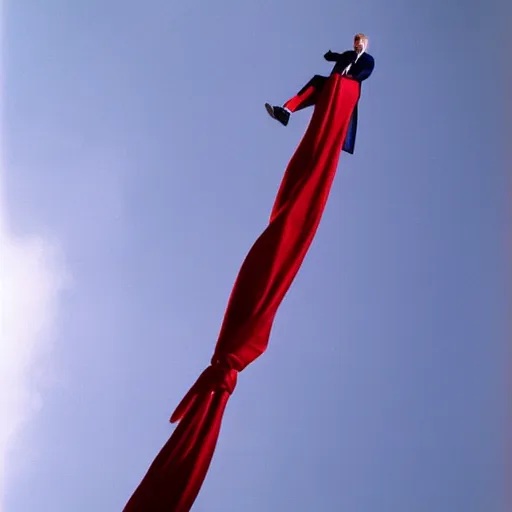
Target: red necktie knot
x,y
216,377
219,377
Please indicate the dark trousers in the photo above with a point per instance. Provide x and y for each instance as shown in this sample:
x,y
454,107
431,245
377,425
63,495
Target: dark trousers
x,y
308,95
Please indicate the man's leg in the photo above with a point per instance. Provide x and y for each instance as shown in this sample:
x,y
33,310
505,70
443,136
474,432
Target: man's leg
x,y
306,97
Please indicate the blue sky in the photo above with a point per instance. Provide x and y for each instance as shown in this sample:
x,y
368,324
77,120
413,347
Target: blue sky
x,y
139,166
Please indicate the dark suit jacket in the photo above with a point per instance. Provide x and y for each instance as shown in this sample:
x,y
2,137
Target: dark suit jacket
x,y
359,71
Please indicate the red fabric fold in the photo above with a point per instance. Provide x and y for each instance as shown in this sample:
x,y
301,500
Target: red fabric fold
x,y
176,475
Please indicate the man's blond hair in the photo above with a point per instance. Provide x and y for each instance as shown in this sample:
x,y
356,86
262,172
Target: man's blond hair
x,y
362,37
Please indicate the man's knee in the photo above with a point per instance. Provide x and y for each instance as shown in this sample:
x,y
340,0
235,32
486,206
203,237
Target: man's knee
x,y
318,80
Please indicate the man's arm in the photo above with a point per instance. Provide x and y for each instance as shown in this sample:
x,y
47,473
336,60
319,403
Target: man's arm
x,y
365,72
334,57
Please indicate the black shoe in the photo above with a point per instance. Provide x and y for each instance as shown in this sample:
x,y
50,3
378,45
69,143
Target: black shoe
x,y
279,113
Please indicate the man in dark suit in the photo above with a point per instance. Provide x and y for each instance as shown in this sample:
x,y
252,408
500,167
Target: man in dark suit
x,y
356,64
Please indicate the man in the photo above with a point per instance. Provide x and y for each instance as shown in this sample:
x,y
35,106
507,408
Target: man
x,y
356,64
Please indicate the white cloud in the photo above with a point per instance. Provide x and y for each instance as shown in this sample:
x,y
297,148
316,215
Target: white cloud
x,y
32,276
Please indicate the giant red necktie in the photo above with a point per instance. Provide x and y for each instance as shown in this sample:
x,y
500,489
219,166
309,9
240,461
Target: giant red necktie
x,y
175,477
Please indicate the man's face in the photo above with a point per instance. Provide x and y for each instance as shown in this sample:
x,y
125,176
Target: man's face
x,y
359,44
